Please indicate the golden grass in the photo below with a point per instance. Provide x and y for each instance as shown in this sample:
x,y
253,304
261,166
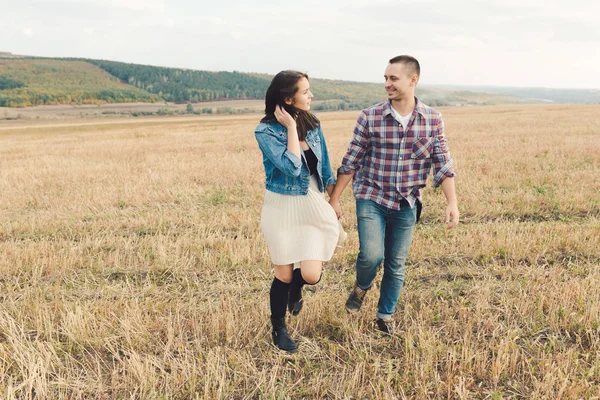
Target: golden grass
x,y
132,266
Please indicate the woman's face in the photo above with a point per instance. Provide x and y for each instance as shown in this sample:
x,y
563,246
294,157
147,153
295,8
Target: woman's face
x,y
303,96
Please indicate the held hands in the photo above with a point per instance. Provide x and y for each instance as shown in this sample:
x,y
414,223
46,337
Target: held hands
x,y
452,215
335,204
284,118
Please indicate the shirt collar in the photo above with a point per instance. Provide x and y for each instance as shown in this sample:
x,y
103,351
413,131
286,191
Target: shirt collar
x,y
419,107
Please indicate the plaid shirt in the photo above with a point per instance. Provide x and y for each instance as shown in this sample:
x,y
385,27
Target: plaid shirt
x,y
391,163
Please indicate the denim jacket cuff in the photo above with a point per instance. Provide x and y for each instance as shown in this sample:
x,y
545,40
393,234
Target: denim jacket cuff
x,y
330,181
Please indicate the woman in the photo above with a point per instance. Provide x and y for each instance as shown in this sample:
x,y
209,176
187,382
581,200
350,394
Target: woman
x,y
299,225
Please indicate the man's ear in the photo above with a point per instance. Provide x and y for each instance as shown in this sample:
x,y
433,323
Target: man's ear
x,y
414,80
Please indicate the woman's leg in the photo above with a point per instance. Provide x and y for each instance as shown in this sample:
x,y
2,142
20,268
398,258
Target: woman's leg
x,y
279,293
311,271
280,288
283,272
308,273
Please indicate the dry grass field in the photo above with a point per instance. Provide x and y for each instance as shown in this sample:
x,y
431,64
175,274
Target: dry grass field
x,y
132,266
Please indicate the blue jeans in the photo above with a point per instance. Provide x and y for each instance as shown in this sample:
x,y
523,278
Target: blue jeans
x,y
385,235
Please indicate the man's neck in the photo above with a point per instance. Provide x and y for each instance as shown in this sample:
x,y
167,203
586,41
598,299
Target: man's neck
x,y
404,106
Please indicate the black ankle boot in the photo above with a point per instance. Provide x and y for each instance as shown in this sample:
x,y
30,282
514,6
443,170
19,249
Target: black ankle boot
x,y
281,337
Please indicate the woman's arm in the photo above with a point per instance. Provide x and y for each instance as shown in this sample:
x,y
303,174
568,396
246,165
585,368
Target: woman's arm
x,y
285,119
327,175
285,157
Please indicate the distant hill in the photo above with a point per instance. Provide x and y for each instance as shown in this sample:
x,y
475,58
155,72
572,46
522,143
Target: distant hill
x,y
547,95
5,54
27,81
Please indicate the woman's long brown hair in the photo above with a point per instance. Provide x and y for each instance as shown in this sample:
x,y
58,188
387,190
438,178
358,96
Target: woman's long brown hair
x,y
283,87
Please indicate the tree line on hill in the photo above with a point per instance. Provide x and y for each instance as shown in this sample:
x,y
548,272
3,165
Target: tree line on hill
x,y
181,85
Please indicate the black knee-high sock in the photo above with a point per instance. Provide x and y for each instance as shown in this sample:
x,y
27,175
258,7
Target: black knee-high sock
x,y
297,283
279,297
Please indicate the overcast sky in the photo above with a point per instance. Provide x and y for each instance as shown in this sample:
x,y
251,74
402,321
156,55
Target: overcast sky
x,y
546,43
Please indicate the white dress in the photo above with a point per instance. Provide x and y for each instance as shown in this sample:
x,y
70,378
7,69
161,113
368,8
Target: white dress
x,y
299,228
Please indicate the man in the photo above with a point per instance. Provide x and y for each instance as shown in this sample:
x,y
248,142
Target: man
x,y
393,147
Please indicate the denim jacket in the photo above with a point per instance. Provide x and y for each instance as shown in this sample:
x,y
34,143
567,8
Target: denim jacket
x,y
285,172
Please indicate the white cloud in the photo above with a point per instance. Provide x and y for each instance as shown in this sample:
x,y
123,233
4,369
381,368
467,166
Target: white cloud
x,y
460,41
215,20
28,32
157,6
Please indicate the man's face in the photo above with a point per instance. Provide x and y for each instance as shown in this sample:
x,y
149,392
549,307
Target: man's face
x,y
400,81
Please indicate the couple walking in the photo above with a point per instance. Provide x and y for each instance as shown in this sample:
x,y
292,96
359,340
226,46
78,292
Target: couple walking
x,y
394,145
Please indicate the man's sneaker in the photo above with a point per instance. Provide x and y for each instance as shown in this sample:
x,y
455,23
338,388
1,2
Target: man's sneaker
x,y
386,325
355,299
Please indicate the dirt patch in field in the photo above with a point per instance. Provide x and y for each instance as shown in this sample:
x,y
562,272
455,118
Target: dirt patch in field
x,y
122,109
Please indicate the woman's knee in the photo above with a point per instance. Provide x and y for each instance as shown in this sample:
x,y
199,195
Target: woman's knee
x,y
283,273
311,271
312,278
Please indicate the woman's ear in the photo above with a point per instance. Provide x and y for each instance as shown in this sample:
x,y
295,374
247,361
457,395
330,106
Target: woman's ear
x,y
288,101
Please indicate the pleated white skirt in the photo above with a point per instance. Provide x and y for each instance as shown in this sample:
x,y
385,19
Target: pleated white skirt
x,y
299,228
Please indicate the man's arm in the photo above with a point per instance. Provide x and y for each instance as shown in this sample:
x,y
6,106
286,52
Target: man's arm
x,y
443,174
351,161
330,190
443,164
452,213
334,198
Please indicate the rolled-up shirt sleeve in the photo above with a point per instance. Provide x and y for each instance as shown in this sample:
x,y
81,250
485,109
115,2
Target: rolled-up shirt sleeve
x,y
443,164
353,158
277,153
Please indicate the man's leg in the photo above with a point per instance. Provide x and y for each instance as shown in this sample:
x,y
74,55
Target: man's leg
x,y
371,230
400,226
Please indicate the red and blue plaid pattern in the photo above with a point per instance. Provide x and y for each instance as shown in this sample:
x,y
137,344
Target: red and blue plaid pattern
x,y
391,163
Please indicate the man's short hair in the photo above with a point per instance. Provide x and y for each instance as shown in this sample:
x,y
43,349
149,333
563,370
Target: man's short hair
x,y
408,60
